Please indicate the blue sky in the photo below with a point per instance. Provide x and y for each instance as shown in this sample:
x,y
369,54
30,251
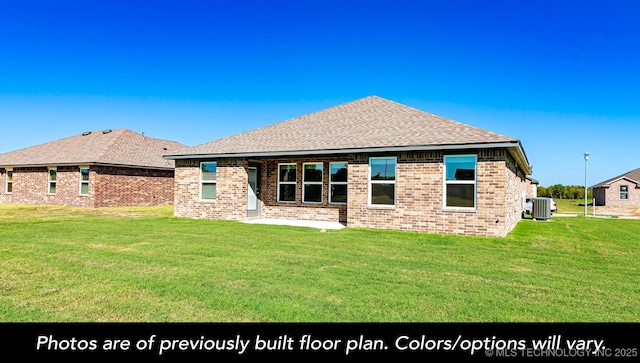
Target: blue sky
x,y
562,76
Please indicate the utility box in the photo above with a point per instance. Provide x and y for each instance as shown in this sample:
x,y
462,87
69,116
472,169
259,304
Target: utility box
x,y
541,208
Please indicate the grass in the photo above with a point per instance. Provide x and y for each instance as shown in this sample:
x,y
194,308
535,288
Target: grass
x,y
573,206
60,264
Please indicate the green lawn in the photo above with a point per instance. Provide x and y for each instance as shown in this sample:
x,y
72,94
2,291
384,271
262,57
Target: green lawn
x,y
573,206
144,265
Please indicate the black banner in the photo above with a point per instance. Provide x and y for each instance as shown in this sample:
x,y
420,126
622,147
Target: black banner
x,y
334,341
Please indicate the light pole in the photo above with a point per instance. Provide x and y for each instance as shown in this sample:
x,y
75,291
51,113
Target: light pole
x,y
586,157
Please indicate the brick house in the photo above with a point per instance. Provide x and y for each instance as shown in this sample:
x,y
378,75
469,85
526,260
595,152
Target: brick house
x,y
369,163
93,169
620,191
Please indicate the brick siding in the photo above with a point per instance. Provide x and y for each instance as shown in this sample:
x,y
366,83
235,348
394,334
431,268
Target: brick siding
x,y
108,187
532,189
610,196
419,194
232,180
4,197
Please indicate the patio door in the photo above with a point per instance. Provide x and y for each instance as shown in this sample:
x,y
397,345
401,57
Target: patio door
x,y
253,192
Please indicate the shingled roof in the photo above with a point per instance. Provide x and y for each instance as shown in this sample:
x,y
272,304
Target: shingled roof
x,y
119,147
633,175
365,125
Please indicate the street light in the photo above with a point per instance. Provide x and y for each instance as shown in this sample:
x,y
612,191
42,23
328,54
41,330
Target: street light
x,y
586,157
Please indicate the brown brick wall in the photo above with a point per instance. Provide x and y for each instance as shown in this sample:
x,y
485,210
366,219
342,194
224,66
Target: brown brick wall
x,y
323,211
516,184
419,194
4,197
31,186
231,190
108,186
116,186
531,189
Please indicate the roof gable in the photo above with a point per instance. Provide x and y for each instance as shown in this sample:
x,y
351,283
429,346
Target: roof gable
x,y
370,122
115,147
633,176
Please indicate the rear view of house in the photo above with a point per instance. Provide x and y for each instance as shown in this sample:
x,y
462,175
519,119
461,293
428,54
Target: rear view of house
x,y
620,191
93,169
370,163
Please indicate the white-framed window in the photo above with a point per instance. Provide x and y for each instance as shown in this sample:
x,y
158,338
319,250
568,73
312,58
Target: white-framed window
x,y
312,182
208,174
287,178
53,173
84,180
382,180
338,182
9,182
460,181
624,192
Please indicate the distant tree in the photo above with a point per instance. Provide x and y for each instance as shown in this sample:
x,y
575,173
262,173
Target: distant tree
x,y
542,191
560,191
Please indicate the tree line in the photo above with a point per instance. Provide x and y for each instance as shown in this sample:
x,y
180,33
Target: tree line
x,y
560,191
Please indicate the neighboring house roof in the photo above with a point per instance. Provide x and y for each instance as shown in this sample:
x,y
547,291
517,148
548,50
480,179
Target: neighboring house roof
x,y
120,147
369,124
633,176
533,181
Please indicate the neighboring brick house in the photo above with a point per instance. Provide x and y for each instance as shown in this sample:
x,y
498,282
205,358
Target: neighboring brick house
x,y
620,191
370,163
93,169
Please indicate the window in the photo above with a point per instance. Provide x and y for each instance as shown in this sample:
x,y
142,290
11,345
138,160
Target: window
x,y
460,181
9,188
208,171
52,179
624,192
84,180
287,174
312,183
338,183
382,181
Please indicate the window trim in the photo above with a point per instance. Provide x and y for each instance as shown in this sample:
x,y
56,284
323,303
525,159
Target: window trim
x,y
202,182
460,182
7,181
332,183
395,185
620,192
294,183
52,182
304,182
84,181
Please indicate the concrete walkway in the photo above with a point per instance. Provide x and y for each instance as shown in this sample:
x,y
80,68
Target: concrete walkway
x,y
596,216
296,223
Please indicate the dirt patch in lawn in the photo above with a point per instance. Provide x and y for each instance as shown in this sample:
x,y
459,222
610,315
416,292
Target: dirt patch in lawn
x,y
618,211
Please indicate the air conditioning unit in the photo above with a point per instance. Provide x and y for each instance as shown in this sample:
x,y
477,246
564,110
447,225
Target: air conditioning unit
x,y
541,208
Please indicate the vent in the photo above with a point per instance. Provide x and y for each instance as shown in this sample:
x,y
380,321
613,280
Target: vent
x,y
86,133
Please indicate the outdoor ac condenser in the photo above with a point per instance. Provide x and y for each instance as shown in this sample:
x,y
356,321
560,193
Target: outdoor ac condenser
x,y
541,208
